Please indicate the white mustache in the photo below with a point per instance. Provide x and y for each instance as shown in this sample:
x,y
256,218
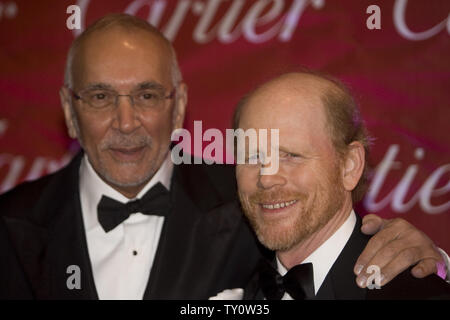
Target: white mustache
x,y
126,142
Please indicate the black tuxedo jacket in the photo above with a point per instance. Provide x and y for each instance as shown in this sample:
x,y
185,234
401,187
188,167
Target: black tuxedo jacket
x,y
340,282
205,245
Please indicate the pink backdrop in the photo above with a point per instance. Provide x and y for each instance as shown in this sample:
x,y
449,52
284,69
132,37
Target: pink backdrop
x,y
400,75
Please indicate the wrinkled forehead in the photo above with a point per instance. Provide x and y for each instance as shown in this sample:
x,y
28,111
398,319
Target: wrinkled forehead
x,y
120,56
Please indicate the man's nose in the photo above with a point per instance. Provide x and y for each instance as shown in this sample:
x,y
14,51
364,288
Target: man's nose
x,y
126,117
268,181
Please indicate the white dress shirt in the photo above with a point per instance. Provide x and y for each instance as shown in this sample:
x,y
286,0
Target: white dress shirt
x,y
122,258
324,257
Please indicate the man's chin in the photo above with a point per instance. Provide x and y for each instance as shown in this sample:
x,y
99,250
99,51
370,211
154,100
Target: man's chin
x,y
274,242
131,179
277,236
129,182
127,173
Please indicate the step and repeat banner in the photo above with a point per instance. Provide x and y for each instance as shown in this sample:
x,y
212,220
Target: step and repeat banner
x,y
394,54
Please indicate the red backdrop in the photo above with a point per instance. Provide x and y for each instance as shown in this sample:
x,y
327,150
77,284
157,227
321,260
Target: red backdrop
x,y
400,75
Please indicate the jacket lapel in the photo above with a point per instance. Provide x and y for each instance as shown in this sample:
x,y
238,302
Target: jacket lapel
x,y
68,250
51,238
340,282
174,245
178,257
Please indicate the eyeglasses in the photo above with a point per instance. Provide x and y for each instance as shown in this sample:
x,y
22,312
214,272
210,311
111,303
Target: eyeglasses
x,y
103,98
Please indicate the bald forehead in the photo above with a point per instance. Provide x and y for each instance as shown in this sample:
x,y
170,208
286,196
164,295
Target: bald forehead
x,y
289,94
302,85
115,48
119,33
291,104
147,34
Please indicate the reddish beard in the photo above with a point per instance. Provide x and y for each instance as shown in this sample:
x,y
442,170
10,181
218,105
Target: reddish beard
x,y
313,211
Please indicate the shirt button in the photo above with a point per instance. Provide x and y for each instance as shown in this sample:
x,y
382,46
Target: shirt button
x,y
135,253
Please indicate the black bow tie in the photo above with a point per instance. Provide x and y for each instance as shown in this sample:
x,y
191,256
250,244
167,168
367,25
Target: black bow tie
x,y
111,213
298,282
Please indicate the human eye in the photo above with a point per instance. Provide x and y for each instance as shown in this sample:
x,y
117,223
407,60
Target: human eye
x,y
290,156
99,95
258,157
293,155
148,95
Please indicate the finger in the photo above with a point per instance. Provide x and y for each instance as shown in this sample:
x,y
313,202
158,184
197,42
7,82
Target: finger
x,y
392,253
426,267
371,224
378,241
399,263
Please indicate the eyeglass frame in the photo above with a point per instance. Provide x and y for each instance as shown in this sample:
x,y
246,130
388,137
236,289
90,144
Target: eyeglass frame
x,y
117,95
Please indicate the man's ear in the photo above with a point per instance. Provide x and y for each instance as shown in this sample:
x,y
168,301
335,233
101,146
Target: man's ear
x,y
353,168
180,106
64,95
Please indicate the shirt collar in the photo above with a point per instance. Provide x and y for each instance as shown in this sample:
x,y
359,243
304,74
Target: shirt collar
x,y
92,188
324,257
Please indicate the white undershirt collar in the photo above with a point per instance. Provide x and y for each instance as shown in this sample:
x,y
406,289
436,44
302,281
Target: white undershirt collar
x,y
324,257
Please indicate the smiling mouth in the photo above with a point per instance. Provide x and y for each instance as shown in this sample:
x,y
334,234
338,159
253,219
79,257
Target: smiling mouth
x,y
278,205
127,150
127,154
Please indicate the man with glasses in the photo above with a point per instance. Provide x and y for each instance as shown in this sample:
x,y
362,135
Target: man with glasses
x,y
121,221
